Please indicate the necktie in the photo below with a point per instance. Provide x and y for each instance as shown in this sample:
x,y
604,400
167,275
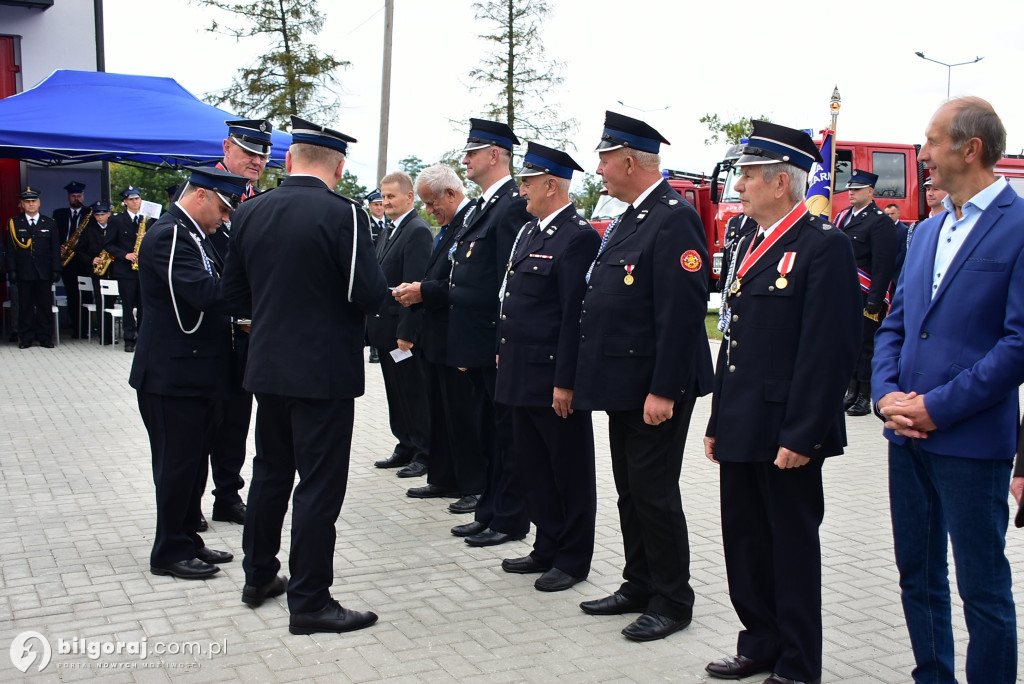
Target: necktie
x,y
32,222
758,239
440,236
74,220
136,221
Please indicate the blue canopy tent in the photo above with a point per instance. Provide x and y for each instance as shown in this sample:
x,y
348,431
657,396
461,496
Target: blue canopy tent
x,y
73,117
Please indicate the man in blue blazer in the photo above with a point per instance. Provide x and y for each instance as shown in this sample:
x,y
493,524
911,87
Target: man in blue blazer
x,y
948,361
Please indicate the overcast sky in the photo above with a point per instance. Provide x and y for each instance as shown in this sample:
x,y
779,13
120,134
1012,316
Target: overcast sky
x,y
678,59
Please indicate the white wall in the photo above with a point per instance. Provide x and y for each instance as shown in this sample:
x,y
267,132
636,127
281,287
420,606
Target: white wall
x,y
61,37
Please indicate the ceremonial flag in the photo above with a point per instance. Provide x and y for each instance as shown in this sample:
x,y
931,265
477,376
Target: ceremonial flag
x,y
819,191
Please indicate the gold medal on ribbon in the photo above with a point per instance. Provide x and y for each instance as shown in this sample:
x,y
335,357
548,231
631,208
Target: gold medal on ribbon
x,y
629,274
734,287
781,282
628,279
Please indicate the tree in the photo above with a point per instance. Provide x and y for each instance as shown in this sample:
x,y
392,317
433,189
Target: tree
x,y
586,197
730,132
412,165
152,182
349,186
517,68
292,76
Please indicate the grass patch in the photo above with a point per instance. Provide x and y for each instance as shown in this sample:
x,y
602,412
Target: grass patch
x,y
711,323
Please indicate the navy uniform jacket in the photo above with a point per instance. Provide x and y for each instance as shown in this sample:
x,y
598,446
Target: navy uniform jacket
x,y
403,259
480,261
648,337
122,242
169,360
539,330
63,218
737,228
434,291
289,270
873,235
790,353
41,261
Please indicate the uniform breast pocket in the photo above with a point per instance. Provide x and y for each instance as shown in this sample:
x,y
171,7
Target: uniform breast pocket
x,y
621,272
771,306
533,276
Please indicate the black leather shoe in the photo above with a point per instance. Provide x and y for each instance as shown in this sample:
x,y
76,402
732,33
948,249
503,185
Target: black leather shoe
x,y
556,580
850,396
330,618
736,667
208,555
414,469
395,460
430,491
475,527
203,525
189,569
490,537
234,513
24,345
47,345
466,504
777,679
861,407
524,566
129,346
374,355
255,596
651,626
616,604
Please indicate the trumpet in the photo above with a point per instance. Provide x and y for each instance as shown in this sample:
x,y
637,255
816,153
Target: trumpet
x,y
100,269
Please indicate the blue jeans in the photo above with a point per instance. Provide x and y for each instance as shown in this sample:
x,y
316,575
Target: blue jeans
x,y
932,496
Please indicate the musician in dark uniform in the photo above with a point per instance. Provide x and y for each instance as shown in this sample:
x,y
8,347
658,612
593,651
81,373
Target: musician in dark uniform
x,y
90,256
122,245
793,311
644,358
33,263
402,253
302,264
874,245
480,257
180,369
538,339
68,219
455,466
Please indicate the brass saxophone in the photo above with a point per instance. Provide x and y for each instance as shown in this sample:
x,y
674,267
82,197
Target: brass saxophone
x,y
67,250
106,258
138,243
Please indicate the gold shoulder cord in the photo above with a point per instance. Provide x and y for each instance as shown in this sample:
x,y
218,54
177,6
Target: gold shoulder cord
x,y
14,237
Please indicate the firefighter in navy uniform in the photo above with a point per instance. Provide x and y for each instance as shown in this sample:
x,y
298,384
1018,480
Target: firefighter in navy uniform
x,y
538,333
33,263
122,245
874,246
644,358
180,369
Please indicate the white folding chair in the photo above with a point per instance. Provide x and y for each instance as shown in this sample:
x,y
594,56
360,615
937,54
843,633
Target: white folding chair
x,y
108,288
85,285
55,308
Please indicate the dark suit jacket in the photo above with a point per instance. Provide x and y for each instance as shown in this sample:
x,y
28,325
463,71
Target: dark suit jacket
x,y
961,348
647,337
434,290
290,270
41,260
873,235
539,330
481,257
790,353
122,242
187,357
403,259
62,217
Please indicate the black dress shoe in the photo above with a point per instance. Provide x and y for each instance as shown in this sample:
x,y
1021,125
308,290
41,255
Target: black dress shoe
x,y
234,513
330,618
524,566
651,626
430,491
475,527
395,460
255,596
208,555
466,504
188,569
47,345
203,525
861,407
556,580
414,469
374,355
616,604
24,345
491,537
129,346
736,667
778,679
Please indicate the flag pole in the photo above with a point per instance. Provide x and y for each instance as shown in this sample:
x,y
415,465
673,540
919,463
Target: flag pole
x,y
834,105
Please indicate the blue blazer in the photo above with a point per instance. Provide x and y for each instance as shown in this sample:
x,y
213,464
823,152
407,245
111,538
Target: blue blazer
x,y
964,348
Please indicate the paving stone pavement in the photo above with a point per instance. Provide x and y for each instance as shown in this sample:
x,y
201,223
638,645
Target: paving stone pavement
x,y
77,490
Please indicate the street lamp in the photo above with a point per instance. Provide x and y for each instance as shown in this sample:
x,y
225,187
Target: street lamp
x,y
643,112
949,67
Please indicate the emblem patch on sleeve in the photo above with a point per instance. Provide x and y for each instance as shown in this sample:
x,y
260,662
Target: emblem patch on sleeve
x,y
690,261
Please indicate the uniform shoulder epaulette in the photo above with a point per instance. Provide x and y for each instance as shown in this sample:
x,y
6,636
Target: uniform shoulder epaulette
x,y
342,197
879,211
820,223
669,200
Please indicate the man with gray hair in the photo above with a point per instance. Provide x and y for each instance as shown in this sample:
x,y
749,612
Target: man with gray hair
x,y
947,367
793,331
